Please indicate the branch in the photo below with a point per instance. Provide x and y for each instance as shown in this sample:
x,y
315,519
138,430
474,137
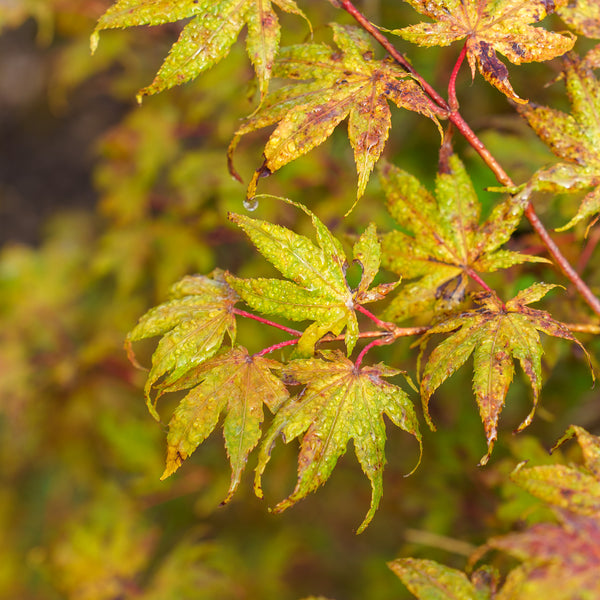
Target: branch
x,y
456,118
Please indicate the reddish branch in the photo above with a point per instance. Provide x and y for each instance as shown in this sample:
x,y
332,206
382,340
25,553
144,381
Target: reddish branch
x,y
451,109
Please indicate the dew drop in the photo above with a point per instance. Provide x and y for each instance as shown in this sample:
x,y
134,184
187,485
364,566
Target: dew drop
x,y
251,204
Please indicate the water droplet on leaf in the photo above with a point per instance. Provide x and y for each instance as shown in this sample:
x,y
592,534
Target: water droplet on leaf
x,y
251,204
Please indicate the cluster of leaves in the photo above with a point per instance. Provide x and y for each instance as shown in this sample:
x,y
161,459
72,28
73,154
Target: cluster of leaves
x,y
339,400
440,240
559,559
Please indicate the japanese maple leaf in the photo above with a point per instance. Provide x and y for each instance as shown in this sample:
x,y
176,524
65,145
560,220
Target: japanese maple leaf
x,y
568,488
494,334
338,403
490,26
318,290
207,37
560,560
231,382
573,138
583,16
347,82
192,324
442,238
429,580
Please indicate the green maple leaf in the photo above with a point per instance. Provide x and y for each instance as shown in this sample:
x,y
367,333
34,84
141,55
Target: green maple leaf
x,y
339,402
192,324
233,382
445,238
573,138
495,334
318,290
490,26
347,82
207,37
429,580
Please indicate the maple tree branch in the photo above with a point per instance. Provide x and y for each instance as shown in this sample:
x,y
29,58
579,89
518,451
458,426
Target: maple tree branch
x,y
393,333
456,118
243,313
585,292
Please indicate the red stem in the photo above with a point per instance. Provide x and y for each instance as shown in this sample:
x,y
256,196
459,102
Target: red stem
x,y
452,99
378,342
475,277
376,320
276,347
456,118
243,313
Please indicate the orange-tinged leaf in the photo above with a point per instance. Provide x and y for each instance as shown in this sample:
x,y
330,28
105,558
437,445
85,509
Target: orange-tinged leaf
x,y
495,333
573,138
444,239
207,37
232,382
338,403
490,26
347,82
192,324
429,580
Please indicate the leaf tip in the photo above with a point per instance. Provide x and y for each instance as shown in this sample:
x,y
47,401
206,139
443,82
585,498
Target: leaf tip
x,y
94,40
174,461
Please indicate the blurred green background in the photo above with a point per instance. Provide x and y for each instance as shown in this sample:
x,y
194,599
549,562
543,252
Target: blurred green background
x,y
103,205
